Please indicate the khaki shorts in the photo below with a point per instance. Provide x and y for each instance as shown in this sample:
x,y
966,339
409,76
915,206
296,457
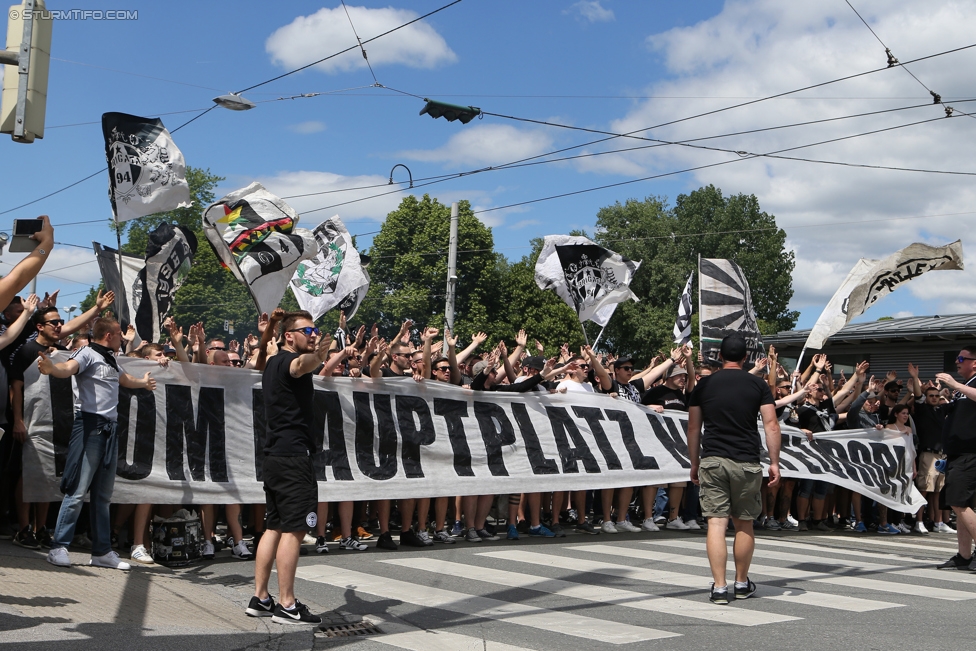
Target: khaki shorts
x,y
929,480
730,488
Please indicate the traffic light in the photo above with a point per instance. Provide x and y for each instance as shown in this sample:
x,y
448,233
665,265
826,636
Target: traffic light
x,y
28,58
450,112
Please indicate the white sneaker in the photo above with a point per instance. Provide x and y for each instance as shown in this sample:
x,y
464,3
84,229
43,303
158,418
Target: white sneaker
x,y
240,550
608,527
626,526
792,520
902,527
59,556
207,549
920,528
139,554
650,526
692,525
110,560
677,523
942,527
309,539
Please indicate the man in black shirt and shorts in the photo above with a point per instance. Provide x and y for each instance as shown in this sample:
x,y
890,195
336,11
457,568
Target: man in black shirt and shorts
x,y
291,492
727,404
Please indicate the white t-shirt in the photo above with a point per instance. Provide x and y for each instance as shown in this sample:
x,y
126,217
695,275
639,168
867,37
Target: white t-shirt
x,y
570,386
98,384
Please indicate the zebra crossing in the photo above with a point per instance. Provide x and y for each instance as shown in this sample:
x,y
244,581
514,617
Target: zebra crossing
x,y
632,591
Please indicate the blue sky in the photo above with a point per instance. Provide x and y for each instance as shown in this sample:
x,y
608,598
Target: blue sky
x,y
609,65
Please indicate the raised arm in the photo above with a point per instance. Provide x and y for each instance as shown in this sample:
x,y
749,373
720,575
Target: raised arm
x,y
267,336
476,341
102,302
686,352
520,340
507,362
25,270
606,383
15,328
450,341
851,388
916,384
176,339
428,337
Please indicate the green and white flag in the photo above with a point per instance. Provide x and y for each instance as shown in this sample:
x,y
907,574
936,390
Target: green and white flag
x,y
335,274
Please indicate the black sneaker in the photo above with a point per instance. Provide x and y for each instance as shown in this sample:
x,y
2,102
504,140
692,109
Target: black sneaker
x,y
721,598
746,592
297,614
957,562
320,546
586,527
25,538
385,541
410,539
258,608
44,538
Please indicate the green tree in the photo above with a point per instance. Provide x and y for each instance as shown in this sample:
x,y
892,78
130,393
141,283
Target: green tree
x,y
668,241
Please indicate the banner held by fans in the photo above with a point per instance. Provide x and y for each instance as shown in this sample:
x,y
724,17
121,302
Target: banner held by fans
x,y
169,255
587,276
146,171
199,438
333,276
128,289
254,234
726,308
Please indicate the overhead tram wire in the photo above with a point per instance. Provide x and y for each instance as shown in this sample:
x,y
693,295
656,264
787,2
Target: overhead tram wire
x,y
892,61
360,41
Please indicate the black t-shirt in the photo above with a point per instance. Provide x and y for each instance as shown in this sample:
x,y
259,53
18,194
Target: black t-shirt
x,y
287,408
817,418
7,354
959,435
667,397
730,402
27,355
632,391
929,422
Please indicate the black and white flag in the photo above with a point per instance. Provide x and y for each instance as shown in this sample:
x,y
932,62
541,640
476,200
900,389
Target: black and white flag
x,y
254,234
682,325
169,255
334,277
590,278
146,170
128,289
726,308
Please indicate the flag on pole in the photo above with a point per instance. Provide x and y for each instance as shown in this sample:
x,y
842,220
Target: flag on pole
x,y
725,308
682,325
169,255
870,280
588,277
254,234
128,288
146,170
335,276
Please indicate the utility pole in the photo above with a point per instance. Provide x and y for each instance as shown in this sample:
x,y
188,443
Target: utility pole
x,y
452,270
24,99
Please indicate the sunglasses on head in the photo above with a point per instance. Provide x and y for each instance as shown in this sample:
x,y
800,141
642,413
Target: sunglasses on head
x,y
308,331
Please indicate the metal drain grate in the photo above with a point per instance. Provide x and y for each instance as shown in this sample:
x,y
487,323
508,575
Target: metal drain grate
x,y
357,629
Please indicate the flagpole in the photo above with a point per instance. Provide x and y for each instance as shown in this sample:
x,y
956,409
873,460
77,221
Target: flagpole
x,y
598,337
585,338
700,345
120,296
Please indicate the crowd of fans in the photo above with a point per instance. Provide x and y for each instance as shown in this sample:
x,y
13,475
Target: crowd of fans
x,y
815,400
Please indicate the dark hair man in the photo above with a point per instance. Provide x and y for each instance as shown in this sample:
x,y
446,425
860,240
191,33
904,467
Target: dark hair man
x,y
959,443
291,492
929,419
93,447
727,467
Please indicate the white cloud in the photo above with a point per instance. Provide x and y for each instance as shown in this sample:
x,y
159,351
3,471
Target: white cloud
x,y
485,144
524,223
305,128
592,11
308,38
755,48
68,268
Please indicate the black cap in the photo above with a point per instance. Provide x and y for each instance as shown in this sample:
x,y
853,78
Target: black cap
x,y
535,362
733,348
623,359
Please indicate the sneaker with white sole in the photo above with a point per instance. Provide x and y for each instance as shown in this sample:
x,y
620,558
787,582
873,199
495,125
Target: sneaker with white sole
x,y
902,527
207,550
626,526
298,613
424,538
650,526
772,524
110,560
608,527
352,545
138,554
240,550
485,535
443,536
321,546
59,556
258,608
942,527
789,524
678,524
692,525
920,528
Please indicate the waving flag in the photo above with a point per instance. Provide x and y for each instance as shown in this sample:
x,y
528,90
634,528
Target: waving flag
x,y
128,288
146,170
334,277
726,308
682,326
587,276
169,255
254,234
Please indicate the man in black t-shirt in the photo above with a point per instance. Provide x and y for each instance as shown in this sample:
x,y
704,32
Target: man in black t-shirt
x,y
291,492
959,444
726,406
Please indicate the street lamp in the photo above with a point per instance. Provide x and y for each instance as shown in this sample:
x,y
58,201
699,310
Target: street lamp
x,y
71,309
234,102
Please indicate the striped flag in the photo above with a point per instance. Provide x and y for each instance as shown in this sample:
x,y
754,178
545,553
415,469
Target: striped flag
x,y
682,326
726,308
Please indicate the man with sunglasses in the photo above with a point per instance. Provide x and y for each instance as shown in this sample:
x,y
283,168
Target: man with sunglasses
x,y
291,492
959,444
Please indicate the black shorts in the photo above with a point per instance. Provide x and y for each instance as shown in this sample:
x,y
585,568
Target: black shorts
x,y
960,481
291,494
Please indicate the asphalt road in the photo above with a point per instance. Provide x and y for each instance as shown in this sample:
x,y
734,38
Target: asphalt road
x,y
647,591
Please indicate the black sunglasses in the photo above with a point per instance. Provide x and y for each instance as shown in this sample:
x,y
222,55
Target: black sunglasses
x,y
308,331
625,368
61,322
442,368
959,360
237,362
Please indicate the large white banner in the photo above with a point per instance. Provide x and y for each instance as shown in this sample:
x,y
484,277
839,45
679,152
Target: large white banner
x,y
198,439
